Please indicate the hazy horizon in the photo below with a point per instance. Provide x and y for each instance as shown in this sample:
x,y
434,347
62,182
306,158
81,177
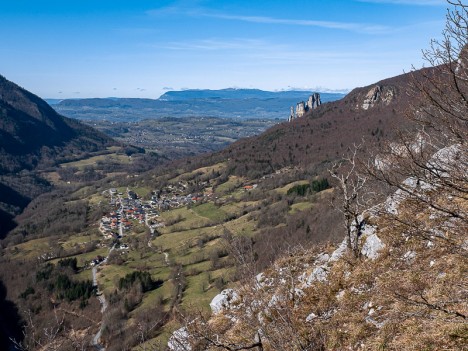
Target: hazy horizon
x,y
318,90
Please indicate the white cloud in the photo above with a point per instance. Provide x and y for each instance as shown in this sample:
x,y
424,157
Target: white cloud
x,y
356,27
409,2
360,27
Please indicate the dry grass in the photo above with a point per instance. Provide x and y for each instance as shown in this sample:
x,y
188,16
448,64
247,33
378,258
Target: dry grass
x,y
412,297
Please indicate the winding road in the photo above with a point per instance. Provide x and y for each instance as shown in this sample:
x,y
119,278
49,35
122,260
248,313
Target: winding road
x,y
100,295
102,300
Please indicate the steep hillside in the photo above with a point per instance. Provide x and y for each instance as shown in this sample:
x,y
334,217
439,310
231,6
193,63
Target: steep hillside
x,y
398,279
32,133
174,237
399,284
325,134
33,136
405,290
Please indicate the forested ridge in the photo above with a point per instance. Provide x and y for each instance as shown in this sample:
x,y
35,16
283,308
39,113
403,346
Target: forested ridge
x,y
33,137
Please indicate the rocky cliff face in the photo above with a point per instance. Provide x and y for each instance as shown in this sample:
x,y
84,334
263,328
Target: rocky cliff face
x,y
291,114
378,94
302,107
314,101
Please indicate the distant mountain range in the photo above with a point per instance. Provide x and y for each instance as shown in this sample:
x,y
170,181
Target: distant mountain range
x,y
237,94
225,103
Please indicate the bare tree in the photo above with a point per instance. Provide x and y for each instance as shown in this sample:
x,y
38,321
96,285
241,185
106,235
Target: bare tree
x,y
430,171
147,323
242,252
49,338
57,335
353,199
427,168
444,88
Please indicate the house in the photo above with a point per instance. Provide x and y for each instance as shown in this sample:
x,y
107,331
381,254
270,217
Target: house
x,y
97,260
250,187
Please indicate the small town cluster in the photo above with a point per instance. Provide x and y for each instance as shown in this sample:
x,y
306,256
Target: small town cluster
x,y
129,207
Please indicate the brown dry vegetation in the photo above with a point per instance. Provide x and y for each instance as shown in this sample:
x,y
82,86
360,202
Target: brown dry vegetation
x,y
411,291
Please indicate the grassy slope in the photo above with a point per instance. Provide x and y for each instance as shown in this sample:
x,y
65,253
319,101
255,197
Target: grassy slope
x,y
181,241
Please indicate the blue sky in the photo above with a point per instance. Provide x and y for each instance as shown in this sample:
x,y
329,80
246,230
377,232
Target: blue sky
x,y
140,48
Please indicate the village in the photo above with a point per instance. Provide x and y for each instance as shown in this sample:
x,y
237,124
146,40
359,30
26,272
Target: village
x,y
131,209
